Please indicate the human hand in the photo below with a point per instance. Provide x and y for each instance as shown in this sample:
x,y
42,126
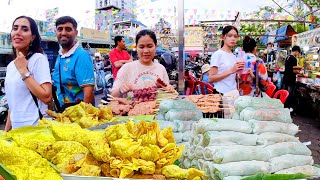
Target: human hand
x,y
251,72
237,67
21,63
125,88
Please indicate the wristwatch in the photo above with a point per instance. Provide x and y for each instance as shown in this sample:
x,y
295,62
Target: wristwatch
x,y
26,75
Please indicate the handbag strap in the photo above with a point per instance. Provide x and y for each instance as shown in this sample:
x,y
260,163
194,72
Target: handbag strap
x,y
36,102
33,96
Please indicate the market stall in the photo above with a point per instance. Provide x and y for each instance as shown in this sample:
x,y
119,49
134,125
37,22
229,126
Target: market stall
x,y
95,41
163,136
308,84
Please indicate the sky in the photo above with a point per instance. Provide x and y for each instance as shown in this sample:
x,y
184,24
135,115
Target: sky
x,y
83,10
221,6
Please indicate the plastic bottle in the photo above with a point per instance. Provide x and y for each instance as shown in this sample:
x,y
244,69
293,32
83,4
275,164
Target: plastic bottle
x,y
244,72
279,80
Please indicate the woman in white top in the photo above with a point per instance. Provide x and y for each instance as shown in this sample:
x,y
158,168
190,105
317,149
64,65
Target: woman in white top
x,y
224,64
142,73
28,73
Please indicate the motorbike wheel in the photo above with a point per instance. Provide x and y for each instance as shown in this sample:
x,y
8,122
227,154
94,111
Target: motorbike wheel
x,y
97,89
109,83
96,92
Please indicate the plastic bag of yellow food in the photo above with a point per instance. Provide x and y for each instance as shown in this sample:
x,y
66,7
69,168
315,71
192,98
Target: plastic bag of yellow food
x,y
173,171
75,112
125,147
149,138
94,141
64,132
84,114
116,132
105,113
88,121
2,133
25,164
168,155
145,167
29,136
125,168
99,147
89,109
143,127
167,133
149,153
88,170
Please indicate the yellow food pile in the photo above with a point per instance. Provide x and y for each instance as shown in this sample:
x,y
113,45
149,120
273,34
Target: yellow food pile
x,y
84,114
122,151
24,163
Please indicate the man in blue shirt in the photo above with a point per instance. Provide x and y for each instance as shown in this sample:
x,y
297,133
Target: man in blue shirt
x,y
73,74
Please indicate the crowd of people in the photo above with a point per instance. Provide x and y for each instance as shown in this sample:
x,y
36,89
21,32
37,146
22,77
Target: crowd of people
x,y
247,75
30,87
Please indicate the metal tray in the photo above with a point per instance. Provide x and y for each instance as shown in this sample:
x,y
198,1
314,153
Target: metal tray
x,y
73,177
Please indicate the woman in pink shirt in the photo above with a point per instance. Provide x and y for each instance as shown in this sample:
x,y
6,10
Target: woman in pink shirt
x,y
142,73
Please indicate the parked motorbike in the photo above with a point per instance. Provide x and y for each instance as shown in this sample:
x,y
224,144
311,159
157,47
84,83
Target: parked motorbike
x,y
99,83
109,83
3,109
3,103
194,67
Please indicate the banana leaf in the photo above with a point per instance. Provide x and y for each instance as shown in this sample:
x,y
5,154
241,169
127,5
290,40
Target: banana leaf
x,y
6,174
136,118
262,176
54,167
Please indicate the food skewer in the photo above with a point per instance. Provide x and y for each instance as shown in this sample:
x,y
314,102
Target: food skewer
x,y
109,95
111,99
104,102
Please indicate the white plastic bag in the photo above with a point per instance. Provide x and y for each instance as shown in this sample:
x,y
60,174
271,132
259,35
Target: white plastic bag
x,y
260,127
289,161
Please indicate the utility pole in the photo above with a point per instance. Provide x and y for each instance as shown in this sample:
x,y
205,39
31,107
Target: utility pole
x,y
181,62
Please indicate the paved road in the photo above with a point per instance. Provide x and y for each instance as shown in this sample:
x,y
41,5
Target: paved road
x,y
309,131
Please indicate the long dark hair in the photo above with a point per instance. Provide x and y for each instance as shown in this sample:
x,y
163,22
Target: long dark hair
x,y
226,30
249,44
36,43
146,32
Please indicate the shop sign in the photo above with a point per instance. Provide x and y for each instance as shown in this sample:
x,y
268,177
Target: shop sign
x,y
86,33
194,36
102,50
309,38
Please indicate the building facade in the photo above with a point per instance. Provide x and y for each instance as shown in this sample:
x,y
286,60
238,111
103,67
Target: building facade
x,y
110,11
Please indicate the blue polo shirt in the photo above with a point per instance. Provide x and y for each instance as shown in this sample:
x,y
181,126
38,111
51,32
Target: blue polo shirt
x,y
76,69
